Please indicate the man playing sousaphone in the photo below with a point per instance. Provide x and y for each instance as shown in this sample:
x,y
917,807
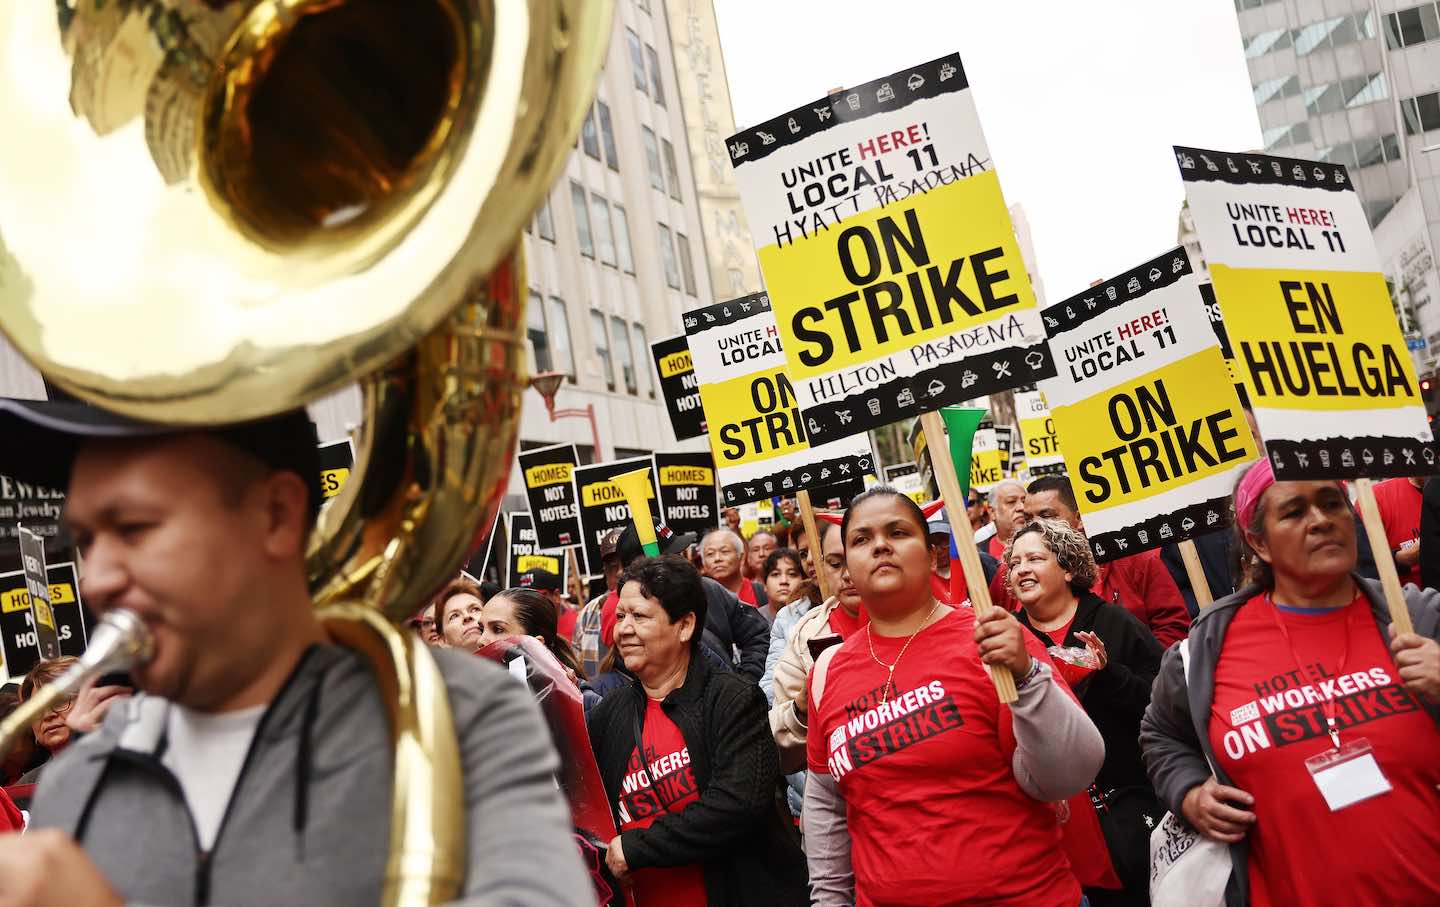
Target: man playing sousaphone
x,y
255,765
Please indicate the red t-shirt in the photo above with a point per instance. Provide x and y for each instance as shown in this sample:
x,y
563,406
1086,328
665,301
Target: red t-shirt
x,y
1267,720
747,593
996,547
668,762
565,622
935,814
1399,502
843,624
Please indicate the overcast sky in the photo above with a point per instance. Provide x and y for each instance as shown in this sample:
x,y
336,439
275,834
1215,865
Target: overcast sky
x,y
1080,101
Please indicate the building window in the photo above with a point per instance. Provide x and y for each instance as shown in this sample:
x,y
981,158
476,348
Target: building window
x,y
1285,136
602,347
607,135
637,62
622,241
1421,114
535,330
544,223
1409,27
1362,153
687,267
1336,32
582,219
655,84
1375,211
620,333
642,354
643,6
589,139
652,157
667,255
562,356
604,237
1266,41
1355,92
1242,5
1282,87
672,171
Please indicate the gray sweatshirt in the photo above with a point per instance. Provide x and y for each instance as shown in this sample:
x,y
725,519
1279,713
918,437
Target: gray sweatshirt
x,y
309,820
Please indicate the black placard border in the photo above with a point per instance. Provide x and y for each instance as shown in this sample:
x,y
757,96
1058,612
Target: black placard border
x,y
1213,515
1026,365
724,314
945,75
1136,283
1345,458
757,489
1204,165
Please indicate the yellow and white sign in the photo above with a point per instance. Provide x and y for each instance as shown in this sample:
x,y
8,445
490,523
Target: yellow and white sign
x,y
1312,330
1150,426
758,436
1039,442
888,252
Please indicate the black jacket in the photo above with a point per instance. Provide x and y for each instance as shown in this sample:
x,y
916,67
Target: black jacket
x,y
735,831
1430,535
1175,734
732,625
1115,698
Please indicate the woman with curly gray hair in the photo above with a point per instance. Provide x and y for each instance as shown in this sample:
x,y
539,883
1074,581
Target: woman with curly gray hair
x,y
1051,571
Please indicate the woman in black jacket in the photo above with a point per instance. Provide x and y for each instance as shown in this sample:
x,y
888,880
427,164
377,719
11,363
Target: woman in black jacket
x,y
700,818
1051,571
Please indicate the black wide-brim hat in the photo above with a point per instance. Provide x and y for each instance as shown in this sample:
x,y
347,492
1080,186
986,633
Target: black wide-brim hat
x,y
39,440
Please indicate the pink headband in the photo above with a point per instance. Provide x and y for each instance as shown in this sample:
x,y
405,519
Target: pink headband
x,y
1247,495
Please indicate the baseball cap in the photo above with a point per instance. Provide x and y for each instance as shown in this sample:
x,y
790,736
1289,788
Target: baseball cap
x,y
629,548
608,541
540,580
43,437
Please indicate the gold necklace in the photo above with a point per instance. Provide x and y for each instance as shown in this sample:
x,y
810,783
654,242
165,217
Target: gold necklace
x,y
890,668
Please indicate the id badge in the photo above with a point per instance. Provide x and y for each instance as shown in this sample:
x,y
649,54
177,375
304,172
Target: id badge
x,y
1347,775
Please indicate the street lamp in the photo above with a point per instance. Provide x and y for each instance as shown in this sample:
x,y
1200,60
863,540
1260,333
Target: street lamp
x,y
547,384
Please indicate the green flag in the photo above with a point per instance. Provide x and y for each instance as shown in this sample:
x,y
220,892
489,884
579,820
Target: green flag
x,y
960,425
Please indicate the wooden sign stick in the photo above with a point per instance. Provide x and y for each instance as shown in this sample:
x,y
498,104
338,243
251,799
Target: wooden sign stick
x,y
1196,572
944,470
807,518
1389,577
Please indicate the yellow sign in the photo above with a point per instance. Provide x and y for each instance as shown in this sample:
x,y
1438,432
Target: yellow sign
x,y
762,419
537,562
19,599
1315,340
986,469
547,474
607,492
686,475
1162,430
936,265
332,481
675,364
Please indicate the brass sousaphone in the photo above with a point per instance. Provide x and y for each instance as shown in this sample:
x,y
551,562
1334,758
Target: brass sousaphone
x,y
216,210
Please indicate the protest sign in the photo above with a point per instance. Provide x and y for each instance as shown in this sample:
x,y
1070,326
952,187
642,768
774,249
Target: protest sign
x,y
1310,322
39,508
761,444
550,489
689,499
1037,432
679,386
1152,432
888,252
900,470
487,564
17,622
524,551
603,505
985,461
337,458
37,584
1217,324
1004,436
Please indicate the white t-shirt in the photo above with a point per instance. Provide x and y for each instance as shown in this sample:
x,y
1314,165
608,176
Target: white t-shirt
x,y
205,753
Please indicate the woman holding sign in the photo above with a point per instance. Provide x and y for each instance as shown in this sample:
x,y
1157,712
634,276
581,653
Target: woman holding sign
x,y
923,788
1321,754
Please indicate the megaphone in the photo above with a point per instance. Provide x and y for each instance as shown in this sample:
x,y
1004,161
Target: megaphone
x,y
636,487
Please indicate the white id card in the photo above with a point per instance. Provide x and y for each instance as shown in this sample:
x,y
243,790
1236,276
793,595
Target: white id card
x,y
1347,775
